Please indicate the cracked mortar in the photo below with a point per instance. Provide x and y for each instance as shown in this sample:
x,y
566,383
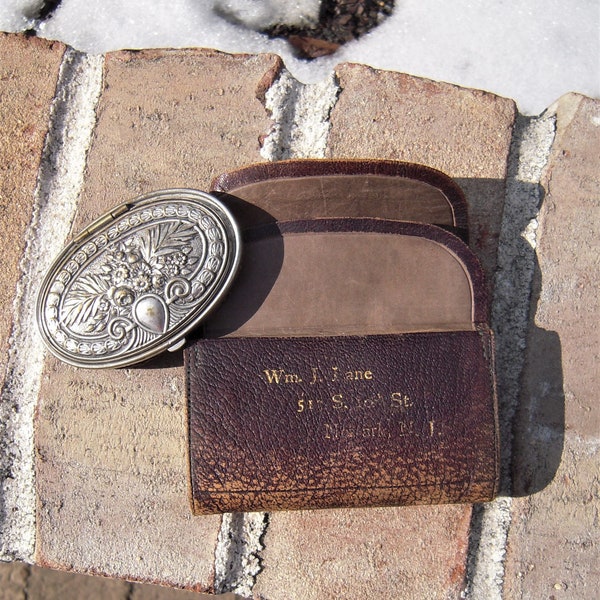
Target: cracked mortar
x,y
237,555
301,117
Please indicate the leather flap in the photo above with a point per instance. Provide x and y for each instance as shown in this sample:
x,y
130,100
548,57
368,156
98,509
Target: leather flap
x,y
308,189
351,363
289,423
351,277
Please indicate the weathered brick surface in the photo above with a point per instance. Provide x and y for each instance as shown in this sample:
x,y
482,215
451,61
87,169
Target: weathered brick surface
x,y
413,552
112,471
47,584
174,118
554,540
398,552
464,132
28,75
20,581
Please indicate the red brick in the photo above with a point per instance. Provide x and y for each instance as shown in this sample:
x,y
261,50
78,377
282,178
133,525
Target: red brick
x,y
174,118
112,473
554,541
46,584
13,580
411,552
28,75
464,132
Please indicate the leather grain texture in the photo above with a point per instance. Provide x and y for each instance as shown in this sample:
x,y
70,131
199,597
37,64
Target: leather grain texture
x,y
351,363
322,422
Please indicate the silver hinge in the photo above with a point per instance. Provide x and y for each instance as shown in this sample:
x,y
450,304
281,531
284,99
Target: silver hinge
x,y
101,222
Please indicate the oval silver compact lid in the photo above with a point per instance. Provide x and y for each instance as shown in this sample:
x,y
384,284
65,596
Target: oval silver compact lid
x,y
134,282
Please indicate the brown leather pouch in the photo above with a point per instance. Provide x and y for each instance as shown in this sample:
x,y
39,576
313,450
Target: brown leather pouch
x,y
352,363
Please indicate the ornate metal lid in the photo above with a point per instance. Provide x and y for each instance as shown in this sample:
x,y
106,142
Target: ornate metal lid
x,y
138,279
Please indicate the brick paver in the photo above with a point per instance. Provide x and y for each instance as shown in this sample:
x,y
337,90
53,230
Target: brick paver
x,y
13,580
111,445
174,118
19,581
46,584
554,541
412,552
463,132
112,472
28,75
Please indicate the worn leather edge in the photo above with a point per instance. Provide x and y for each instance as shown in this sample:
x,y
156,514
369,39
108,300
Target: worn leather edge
x,y
372,225
187,365
428,498
489,347
298,168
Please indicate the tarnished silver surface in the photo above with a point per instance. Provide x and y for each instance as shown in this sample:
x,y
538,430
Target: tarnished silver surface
x,y
138,279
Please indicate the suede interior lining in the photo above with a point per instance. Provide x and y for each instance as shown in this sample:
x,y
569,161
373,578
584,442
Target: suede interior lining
x,y
379,196
331,283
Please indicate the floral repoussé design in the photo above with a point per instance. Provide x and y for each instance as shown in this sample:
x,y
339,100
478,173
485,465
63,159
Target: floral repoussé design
x,y
139,265
138,279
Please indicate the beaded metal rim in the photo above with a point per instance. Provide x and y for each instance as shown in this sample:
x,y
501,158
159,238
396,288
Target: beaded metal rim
x,y
134,282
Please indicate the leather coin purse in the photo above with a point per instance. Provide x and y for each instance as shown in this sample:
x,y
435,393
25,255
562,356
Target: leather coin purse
x,y
352,363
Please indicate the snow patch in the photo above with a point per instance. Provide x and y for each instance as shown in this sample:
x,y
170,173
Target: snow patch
x,y
533,52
